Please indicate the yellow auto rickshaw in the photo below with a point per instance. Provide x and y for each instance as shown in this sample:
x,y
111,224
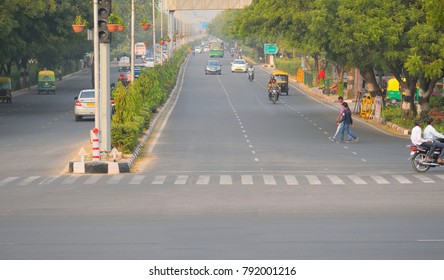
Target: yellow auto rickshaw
x,y
282,79
46,81
5,90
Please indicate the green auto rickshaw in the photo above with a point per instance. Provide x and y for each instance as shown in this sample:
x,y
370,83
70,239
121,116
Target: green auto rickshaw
x,y
5,90
282,79
46,82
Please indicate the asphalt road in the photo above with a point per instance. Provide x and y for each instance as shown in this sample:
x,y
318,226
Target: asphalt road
x,y
226,175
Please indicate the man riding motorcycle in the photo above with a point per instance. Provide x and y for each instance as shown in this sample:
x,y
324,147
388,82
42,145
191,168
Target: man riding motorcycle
x,y
250,72
273,85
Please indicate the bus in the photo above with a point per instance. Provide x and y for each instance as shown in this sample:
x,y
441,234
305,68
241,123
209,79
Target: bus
x,y
216,49
139,49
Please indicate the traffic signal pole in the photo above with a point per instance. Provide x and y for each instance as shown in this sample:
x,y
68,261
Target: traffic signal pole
x,y
104,112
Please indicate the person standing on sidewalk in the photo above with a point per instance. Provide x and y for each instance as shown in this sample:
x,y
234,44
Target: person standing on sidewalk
x,y
339,125
348,121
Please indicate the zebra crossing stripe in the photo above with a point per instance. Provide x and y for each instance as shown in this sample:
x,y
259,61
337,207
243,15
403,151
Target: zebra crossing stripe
x,y
28,180
49,180
247,180
291,180
401,179
115,179
440,177
203,180
181,180
93,179
357,180
313,180
335,180
269,180
424,179
159,180
71,179
225,180
8,180
379,180
137,179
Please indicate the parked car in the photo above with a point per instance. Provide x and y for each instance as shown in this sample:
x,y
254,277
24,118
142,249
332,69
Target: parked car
x,y
213,67
85,104
239,65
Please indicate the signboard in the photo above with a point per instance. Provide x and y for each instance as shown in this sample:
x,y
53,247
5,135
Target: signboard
x,y
270,48
378,106
203,25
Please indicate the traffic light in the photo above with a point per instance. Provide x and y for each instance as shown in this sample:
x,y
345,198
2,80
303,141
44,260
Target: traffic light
x,y
104,12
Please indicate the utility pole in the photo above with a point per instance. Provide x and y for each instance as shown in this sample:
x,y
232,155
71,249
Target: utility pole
x,y
154,31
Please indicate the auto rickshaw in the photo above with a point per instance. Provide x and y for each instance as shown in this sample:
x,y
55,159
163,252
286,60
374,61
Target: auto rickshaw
x,y
46,82
5,90
282,79
394,94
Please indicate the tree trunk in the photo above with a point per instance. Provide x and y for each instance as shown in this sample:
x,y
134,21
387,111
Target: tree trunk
x,y
350,84
370,79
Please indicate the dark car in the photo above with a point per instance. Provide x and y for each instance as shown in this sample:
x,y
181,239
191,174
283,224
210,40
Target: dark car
x,y
213,67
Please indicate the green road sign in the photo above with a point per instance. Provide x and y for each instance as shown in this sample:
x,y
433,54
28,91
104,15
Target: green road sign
x,y
270,48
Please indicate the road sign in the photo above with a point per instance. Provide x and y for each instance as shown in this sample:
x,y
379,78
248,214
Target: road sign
x,y
270,48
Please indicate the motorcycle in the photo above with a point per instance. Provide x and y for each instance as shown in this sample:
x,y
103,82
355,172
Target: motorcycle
x,y
274,95
418,158
251,76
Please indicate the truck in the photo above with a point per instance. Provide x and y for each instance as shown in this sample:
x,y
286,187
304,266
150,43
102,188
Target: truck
x,y
123,64
139,49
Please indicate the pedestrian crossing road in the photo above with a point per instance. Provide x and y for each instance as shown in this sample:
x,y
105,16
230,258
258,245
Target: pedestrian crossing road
x,y
224,180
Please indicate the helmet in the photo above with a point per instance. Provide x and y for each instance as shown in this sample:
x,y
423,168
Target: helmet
x,y
271,76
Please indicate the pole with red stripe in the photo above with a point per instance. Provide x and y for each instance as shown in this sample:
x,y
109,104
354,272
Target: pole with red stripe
x,y
95,145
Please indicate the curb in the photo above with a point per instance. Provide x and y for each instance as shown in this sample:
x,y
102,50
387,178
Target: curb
x,y
109,167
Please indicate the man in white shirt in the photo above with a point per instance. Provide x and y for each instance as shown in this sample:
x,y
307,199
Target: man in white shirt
x,y
417,139
431,133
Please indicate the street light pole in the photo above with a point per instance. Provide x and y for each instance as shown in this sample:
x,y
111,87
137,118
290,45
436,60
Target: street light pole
x,y
161,32
154,31
133,58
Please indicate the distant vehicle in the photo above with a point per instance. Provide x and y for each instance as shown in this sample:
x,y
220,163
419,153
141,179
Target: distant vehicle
x,y
213,67
138,68
198,49
123,64
149,62
216,49
206,48
239,65
46,82
85,104
5,89
139,49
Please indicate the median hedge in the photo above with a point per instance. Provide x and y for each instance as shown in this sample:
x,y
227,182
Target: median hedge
x,y
135,104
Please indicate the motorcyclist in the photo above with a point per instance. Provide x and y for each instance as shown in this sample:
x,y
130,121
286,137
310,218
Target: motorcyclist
x,y
250,71
274,85
430,133
123,79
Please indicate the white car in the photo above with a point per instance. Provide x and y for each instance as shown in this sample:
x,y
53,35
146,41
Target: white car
x,y
85,104
149,62
239,65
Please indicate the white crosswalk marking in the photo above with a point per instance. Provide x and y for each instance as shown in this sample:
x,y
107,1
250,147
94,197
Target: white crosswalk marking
x,y
335,180
28,180
424,179
357,180
401,179
313,180
93,179
8,180
115,179
247,180
291,180
225,180
380,180
159,180
269,180
181,180
49,180
203,180
71,179
137,180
